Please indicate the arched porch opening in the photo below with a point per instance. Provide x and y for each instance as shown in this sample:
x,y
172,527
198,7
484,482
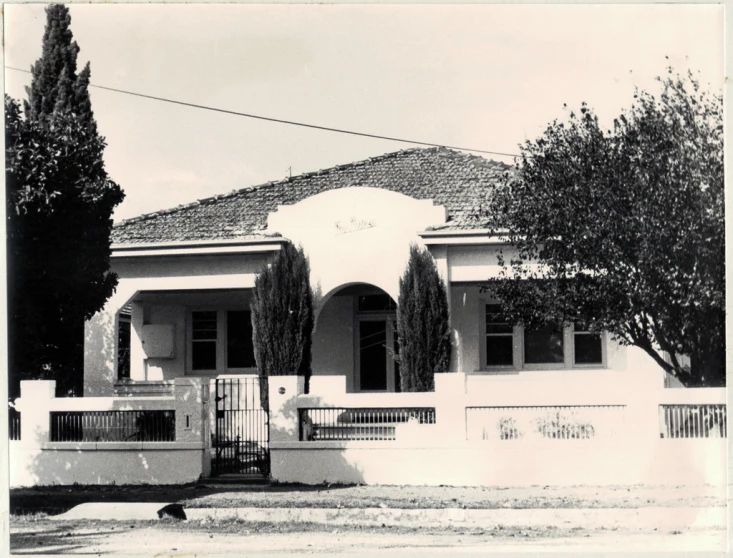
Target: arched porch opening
x,y
356,337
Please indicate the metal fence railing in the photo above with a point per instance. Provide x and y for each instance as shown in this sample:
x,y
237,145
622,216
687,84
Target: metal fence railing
x,y
560,422
13,424
349,424
113,426
693,421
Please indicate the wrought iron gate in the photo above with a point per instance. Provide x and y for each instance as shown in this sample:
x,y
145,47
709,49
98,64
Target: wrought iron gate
x,y
241,433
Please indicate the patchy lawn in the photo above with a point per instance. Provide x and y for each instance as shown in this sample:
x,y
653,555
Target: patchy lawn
x,y
420,497
58,499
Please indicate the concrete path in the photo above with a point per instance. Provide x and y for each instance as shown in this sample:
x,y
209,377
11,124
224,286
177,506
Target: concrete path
x,y
589,518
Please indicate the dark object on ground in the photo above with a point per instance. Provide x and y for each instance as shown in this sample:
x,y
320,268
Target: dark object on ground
x,y
172,510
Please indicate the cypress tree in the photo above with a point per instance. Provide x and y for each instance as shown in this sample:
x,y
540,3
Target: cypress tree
x,y
59,202
423,323
282,318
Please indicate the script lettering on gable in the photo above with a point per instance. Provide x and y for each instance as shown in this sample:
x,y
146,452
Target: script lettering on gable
x,y
353,225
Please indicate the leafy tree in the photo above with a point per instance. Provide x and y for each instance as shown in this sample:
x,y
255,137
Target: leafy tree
x,y
59,202
282,318
627,226
423,324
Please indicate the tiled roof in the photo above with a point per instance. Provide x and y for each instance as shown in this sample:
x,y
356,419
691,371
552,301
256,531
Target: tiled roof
x,y
455,180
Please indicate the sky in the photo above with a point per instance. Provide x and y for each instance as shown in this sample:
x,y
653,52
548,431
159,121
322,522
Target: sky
x,y
484,77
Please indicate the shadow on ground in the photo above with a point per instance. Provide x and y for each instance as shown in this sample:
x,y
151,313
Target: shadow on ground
x,y
54,500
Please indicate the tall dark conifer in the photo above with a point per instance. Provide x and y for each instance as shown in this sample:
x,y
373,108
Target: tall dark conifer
x,y
59,206
282,318
423,323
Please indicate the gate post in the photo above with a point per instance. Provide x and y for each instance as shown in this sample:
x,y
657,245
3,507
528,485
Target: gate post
x,y
450,406
283,392
191,405
33,404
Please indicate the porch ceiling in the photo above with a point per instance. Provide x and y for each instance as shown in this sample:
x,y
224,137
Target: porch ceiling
x,y
187,297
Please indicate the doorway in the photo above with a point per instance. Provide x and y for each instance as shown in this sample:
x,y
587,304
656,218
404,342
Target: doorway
x,y
377,344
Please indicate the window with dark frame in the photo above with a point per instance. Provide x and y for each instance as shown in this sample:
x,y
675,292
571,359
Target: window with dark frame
x,y
203,340
499,338
240,351
588,345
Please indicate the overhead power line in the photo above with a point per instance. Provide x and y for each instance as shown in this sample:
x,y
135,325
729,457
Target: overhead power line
x,y
290,122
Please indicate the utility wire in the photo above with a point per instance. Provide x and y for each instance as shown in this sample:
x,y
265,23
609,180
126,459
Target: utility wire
x,y
290,122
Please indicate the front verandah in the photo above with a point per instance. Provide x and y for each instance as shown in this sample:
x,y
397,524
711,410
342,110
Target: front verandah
x,y
356,337
163,335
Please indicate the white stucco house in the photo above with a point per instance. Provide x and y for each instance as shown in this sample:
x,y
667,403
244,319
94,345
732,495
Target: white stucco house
x,y
560,405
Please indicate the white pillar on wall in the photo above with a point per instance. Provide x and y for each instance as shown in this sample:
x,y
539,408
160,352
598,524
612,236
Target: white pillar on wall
x,y
450,409
33,405
100,346
440,255
137,355
283,392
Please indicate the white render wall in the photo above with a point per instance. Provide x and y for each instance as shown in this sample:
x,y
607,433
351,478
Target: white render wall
x,y
356,235
76,463
333,338
660,462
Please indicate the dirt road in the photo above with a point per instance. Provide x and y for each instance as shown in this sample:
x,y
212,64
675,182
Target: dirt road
x,y
241,537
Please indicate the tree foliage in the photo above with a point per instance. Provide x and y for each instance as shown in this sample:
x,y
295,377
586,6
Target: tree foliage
x,y
282,318
423,323
627,226
59,202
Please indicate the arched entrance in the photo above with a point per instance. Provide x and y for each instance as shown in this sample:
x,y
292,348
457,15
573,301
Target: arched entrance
x,y
356,336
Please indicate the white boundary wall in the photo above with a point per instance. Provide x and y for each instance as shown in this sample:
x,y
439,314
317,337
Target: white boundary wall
x,y
441,454
35,460
421,454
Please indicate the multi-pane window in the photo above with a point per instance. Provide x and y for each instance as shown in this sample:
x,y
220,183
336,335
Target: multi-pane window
x,y
588,345
544,345
553,345
221,340
499,338
203,340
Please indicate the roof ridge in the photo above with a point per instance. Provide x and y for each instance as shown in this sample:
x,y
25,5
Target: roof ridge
x,y
326,171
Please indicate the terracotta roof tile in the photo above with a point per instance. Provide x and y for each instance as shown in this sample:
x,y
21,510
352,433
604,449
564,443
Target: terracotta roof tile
x,y
452,179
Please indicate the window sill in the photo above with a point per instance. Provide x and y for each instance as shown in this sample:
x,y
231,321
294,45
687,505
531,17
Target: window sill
x,y
497,371
536,368
215,374
549,366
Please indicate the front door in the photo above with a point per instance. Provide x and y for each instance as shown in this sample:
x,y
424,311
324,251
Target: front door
x,y
377,347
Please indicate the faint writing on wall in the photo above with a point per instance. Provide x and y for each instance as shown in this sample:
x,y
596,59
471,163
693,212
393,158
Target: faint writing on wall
x,y
354,225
